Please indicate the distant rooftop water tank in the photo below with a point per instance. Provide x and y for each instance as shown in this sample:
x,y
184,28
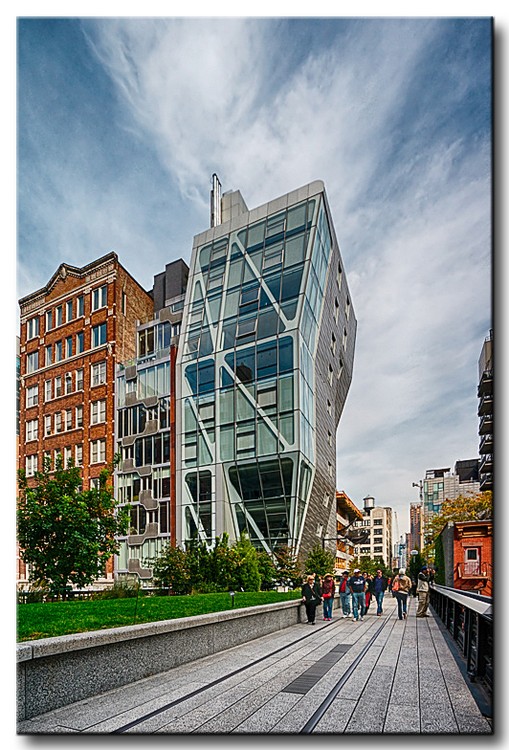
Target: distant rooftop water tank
x,y
369,502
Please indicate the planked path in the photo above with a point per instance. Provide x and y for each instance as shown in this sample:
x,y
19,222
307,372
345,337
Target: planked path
x,y
379,676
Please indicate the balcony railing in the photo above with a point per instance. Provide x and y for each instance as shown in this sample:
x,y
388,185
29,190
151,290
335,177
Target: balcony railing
x,y
486,444
469,619
473,569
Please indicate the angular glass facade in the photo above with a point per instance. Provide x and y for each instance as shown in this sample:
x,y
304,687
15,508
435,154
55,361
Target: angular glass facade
x,y
248,423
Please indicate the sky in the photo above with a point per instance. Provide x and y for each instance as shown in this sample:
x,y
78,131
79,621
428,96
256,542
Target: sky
x,y
122,121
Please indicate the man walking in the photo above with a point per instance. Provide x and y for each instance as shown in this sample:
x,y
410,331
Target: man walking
x,y
357,586
423,592
345,595
378,587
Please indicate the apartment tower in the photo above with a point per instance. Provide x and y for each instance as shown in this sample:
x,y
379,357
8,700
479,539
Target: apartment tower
x,y
73,332
263,370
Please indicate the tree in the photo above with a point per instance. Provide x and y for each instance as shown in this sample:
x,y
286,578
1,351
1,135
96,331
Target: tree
x,y
171,570
462,508
66,534
288,572
248,574
266,569
319,561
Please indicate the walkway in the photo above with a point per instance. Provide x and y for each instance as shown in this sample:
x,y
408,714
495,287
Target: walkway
x,y
381,675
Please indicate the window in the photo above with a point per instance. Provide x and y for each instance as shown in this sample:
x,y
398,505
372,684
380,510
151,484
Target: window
x,y
246,327
68,347
49,320
146,342
58,421
99,335
59,315
78,455
68,310
67,454
98,412
80,306
79,416
378,522
47,458
31,465
33,328
333,344
99,297
57,457
32,362
58,351
68,419
32,429
58,386
97,451
94,483
68,383
98,373
32,395
79,379
80,342
48,359
47,425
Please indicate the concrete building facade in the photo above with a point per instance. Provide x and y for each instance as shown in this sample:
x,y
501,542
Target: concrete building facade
x,y
485,412
377,521
145,428
263,371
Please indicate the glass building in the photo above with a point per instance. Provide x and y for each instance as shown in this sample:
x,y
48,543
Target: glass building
x,y
263,369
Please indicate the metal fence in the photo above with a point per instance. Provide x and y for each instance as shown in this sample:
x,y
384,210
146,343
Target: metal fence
x,y
469,619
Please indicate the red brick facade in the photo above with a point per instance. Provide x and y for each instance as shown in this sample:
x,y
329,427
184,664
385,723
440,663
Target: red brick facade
x,y
88,317
473,556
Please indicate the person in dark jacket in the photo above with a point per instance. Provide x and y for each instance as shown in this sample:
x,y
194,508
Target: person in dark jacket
x,y
378,589
345,595
311,598
357,586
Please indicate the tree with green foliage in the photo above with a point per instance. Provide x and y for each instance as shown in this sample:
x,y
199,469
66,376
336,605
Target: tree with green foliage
x,y
198,563
171,570
248,573
416,563
288,571
224,565
319,561
66,534
370,565
266,569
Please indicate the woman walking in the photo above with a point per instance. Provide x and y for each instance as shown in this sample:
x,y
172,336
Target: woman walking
x,y
311,598
328,590
401,588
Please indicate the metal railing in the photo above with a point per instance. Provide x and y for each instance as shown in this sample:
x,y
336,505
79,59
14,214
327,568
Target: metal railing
x,y
469,619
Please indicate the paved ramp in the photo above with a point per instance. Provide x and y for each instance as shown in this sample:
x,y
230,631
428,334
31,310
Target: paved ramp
x,y
379,676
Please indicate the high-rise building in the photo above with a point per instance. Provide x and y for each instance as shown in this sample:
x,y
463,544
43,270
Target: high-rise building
x,y
485,413
73,332
416,527
263,370
377,522
145,428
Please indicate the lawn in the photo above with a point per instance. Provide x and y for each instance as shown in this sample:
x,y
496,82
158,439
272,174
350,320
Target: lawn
x,y
61,618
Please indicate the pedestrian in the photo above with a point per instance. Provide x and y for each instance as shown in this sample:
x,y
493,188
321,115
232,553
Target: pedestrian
x,y
357,586
423,592
345,595
328,589
401,586
311,597
368,578
378,588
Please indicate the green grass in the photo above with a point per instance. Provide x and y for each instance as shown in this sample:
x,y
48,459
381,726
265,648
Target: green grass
x,y
61,618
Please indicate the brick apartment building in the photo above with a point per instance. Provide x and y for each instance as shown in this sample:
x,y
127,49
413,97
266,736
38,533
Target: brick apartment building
x,y
73,333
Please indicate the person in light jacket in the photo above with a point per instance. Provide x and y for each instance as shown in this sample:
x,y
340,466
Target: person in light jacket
x,y
423,592
328,589
401,586
311,598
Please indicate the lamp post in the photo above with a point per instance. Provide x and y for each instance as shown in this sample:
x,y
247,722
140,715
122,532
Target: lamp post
x,y
421,500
